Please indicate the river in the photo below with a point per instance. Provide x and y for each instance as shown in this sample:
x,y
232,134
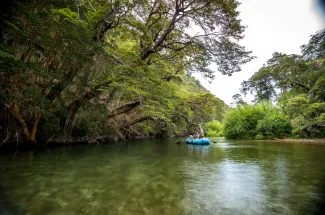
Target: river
x,y
161,177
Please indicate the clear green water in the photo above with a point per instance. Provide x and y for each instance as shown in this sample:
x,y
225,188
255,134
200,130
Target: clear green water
x,y
161,177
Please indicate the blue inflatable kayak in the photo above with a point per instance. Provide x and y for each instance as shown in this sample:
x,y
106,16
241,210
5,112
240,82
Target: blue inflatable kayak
x,y
202,141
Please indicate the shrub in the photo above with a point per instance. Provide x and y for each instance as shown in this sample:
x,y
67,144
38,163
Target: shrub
x,y
259,121
214,129
273,125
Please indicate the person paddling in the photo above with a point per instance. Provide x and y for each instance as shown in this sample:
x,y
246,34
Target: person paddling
x,y
200,132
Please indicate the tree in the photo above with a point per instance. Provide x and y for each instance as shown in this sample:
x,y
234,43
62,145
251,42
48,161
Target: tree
x,y
237,100
62,57
162,38
165,30
315,49
297,83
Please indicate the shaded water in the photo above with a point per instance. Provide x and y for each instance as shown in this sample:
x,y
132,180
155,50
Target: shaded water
x,y
161,177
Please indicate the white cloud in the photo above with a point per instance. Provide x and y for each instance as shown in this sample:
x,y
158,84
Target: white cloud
x,y
273,25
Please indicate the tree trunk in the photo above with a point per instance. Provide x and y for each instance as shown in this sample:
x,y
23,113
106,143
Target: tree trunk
x,y
124,109
28,136
73,108
141,119
70,120
56,90
33,133
14,109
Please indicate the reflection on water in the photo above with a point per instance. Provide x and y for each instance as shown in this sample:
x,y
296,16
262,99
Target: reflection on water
x,y
161,177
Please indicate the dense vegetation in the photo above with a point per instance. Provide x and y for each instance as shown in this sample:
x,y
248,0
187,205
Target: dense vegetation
x,y
295,84
117,68
214,128
259,121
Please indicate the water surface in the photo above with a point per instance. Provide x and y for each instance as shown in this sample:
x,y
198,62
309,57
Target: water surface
x,y
161,177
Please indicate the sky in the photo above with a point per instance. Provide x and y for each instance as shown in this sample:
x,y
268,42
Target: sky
x,y
272,26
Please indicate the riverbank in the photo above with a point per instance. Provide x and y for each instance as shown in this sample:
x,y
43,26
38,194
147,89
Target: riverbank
x,y
66,141
300,140
54,142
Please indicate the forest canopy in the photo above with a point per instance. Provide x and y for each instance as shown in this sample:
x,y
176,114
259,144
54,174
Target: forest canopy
x,y
118,68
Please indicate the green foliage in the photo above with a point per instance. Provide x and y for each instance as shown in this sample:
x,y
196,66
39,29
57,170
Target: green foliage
x,y
241,122
315,49
307,116
122,67
297,83
90,122
274,125
214,129
259,121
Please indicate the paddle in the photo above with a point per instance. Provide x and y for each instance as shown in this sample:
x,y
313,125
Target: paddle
x,y
179,142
